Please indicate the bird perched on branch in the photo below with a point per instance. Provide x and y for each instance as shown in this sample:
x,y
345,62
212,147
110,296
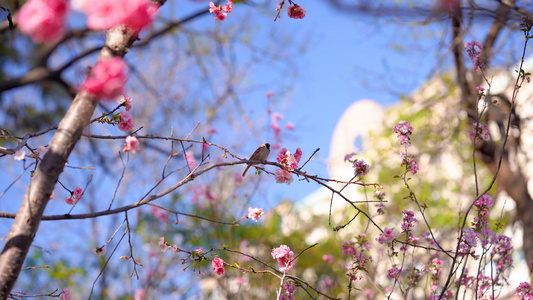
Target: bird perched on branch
x,y
260,153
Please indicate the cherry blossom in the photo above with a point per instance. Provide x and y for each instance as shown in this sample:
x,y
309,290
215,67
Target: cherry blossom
x,y
107,79
218,266
132,144
43,20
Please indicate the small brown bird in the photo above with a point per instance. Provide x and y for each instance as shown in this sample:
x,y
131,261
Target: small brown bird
x,y
260,153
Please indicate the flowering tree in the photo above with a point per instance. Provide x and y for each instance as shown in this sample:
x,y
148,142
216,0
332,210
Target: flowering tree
x,y
425,263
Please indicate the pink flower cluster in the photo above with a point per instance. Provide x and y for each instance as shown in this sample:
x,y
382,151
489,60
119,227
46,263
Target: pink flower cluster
x,y
483,204
43,20
408,222
328,258
360,168
276,129
358,251
75,196
289,287
296,12
284,256
164,246
218,266
105,14
404,131
480,132
107,79
125,121
290,162
393,273
409,162
254,213
524,291
159,214
474,54
65,295
221,11
387,236
131,145
503,251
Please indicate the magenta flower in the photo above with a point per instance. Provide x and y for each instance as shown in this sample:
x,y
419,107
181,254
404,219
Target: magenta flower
x,y
135,14
404,130
218,266
387,236
393,272
296,12
284,256
43,20
132,144
107,79
480,132
78,191
125,121
65,295
360,167
473,49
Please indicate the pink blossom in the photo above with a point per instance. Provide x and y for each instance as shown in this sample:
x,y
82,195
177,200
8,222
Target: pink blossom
x,y
99,251
328,258
20,155
189,157
283,176
140,294
387,236
65,295
393,272
409,162
107,79
159,214
239,280
43,20
289,126
275,128
219,15
524,291
78,191
125,121
70,200
277,117
135,14
485,201
124,100
269,95
404,130
369,294
254,213
480,132
228,7
360,168
349,156
238,177
218,266
284,256
473,49
163,246
132,144
296,12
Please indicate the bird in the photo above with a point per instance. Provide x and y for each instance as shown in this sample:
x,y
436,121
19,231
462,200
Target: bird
x,y
260,153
